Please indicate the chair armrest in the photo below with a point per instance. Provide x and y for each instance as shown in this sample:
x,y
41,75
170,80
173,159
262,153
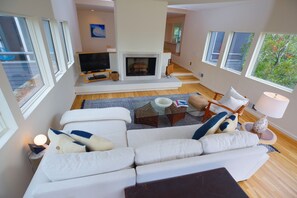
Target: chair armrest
x,y
216,95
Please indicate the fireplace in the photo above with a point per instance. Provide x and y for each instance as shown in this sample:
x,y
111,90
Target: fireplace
x,y
140,66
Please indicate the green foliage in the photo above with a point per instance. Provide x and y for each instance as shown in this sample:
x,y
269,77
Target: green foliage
x,y
277,60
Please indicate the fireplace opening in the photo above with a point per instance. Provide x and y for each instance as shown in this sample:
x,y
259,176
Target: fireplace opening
x,y
140,66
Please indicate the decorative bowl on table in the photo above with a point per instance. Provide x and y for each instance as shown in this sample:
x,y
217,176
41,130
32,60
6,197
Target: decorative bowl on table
x,y
163,102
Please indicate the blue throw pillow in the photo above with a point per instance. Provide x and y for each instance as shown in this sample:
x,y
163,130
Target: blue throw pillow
x,y
211,126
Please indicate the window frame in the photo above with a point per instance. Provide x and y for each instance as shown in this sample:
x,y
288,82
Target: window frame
x,y
58,47
44,66
227,50
253,62
207,46
7,120
67,39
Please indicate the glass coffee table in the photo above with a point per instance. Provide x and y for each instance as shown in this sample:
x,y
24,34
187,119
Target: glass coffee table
x,y
148,112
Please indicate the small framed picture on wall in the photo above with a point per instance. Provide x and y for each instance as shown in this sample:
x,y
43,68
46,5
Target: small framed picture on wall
x,y
97,30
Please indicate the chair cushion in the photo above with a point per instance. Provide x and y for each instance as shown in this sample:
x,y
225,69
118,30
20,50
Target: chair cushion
x,y
229,124
232,92
228,141
211,126
73,165
166,150
93,142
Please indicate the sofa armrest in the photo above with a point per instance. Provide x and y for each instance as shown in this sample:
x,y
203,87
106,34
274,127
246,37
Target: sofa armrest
x,y
81,115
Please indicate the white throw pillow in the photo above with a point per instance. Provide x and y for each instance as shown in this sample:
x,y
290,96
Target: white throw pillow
x,y
64,143
166,150
232,92
93,142
227,141
73,165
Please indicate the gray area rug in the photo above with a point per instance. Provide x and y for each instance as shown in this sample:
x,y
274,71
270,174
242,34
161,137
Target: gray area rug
x,y
129,103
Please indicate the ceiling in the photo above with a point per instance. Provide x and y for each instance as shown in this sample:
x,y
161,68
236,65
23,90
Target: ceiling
x,y
175,7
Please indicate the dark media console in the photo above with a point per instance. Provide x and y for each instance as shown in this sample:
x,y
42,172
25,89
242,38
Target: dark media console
x,y
96,76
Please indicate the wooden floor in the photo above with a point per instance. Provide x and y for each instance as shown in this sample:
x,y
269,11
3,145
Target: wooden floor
x,y
278,176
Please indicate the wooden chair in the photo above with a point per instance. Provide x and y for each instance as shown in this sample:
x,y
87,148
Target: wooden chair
x,y
209,113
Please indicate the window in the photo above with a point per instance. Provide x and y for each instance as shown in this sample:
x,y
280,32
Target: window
x,y
66,40
276,63
8,125
18,58
239,46
214,44
3,126
51,47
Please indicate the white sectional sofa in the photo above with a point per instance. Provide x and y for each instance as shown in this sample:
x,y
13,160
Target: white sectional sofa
x,y
110,123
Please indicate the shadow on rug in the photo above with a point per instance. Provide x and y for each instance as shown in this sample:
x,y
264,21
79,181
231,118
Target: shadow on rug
x,y
129,103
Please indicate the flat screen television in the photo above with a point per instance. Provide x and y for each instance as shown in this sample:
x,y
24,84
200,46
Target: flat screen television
x,y
92,62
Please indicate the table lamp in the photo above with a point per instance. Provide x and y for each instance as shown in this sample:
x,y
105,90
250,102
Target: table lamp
x,y
39,142
272,105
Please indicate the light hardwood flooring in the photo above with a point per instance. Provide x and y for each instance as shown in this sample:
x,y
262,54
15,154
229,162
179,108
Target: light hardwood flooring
x,y
278,176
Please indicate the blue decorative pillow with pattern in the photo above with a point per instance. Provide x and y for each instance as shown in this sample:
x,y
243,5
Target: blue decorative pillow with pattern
x,y
211,126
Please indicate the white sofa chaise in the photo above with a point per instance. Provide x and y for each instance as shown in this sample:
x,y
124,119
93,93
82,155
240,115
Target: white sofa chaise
x,y
110,123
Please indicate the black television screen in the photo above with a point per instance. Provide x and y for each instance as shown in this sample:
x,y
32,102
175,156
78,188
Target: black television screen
x,y
92,62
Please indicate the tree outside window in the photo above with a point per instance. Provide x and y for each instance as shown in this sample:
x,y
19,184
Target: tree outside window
x,y
277,60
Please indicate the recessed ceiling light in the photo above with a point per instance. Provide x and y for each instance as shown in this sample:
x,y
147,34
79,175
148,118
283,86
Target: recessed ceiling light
x,y
92,10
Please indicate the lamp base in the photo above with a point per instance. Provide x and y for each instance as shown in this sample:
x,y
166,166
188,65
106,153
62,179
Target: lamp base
x,y
260,126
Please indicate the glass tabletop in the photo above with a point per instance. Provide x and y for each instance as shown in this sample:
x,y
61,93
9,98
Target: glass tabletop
x,y
150,108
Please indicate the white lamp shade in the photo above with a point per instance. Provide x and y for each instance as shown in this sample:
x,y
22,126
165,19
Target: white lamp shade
x,y
40,139
272,104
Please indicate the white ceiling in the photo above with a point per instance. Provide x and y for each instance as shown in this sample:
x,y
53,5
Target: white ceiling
x,y
175,7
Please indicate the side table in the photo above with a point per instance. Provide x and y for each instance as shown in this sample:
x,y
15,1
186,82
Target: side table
x,y
35,159
268,137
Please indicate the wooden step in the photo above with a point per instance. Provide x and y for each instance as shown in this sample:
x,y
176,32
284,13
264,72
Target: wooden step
x,y
188,79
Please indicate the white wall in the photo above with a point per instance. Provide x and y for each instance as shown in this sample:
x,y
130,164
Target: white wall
x,y
15,170
252,16
140,28
87,17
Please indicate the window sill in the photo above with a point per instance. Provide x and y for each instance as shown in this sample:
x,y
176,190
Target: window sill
x,y
59,75
30,105
231,70
6,136
271,84
70,64
210,63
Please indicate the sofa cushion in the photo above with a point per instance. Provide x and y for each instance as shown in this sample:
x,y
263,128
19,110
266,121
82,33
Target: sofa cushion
x,y
211,126
73,165
229,124
228,141
93,142
167,150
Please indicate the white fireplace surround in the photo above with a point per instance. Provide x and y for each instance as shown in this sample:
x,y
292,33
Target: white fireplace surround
x,y
141,55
